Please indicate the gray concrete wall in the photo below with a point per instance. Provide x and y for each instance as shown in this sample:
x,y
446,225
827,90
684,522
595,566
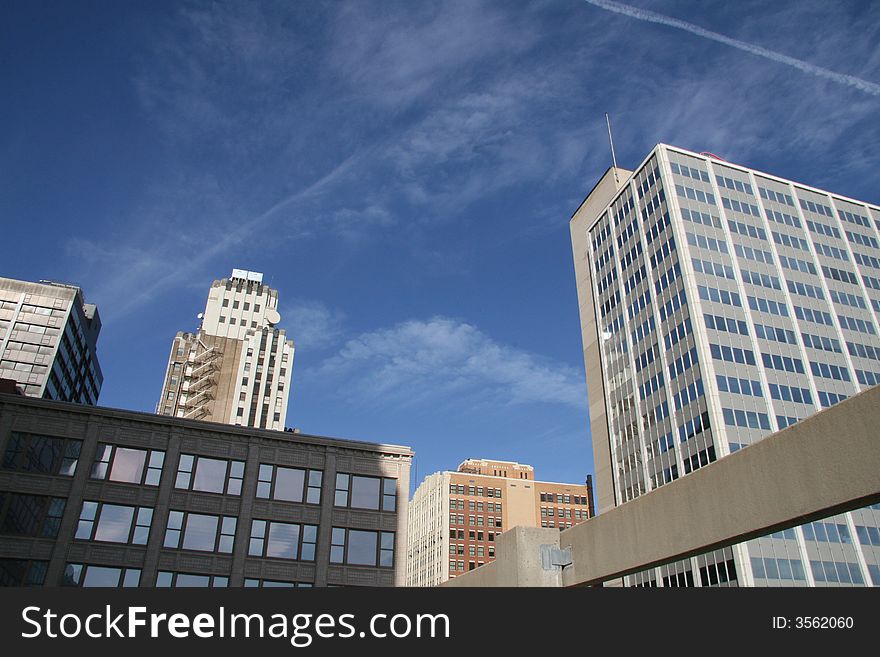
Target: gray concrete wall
x,y
517,562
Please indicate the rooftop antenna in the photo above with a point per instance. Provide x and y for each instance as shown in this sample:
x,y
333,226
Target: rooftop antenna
x,y
613,157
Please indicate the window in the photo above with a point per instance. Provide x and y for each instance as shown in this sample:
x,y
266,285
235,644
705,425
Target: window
x,y
282,540
30,515
208,475
188,580
362,548
360,492
114,523
35,453
22,572
136,466
289,484
195,531
270,583
77,574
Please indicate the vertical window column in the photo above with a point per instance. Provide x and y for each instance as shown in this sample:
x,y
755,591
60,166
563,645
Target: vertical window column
x,y
160,512
245,515
70,519
322,556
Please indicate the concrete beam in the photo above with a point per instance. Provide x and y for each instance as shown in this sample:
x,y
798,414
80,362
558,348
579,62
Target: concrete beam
x,y
821,466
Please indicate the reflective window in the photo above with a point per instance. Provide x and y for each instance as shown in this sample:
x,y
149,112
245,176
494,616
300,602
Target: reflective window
x,y
269,583
196,531
36,453
77,574
209,475
30,515
166,578
283,540
362,548
289,484
137,466
359,492
22,572
114,523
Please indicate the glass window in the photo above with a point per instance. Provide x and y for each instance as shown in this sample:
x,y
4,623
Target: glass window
x,y
138,466
364,492
269,583
209,475
30,515
45,454
283,540
342,483
359,492
188,580
77,574
22,572
114,523
201,532
205,533
289,484
362,548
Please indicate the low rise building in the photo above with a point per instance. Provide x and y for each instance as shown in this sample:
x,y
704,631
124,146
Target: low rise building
x,y
455,517
95,496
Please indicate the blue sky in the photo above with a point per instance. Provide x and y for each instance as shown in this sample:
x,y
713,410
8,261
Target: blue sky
x,y
403,173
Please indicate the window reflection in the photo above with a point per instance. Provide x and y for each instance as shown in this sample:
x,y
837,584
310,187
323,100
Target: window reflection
x,y
114,523
201,532
196,531
283,540
210,475
46,454
365,492
361,548
77,574
30,515
289,484
361,492
128,465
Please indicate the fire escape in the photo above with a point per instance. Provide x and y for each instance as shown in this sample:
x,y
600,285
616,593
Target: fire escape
x,y
200,381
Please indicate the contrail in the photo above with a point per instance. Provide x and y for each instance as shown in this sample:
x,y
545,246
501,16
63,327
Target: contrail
x,y
806,67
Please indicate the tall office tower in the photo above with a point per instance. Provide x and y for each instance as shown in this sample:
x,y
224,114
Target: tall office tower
x,y
237,367
719,304
454,517
48,338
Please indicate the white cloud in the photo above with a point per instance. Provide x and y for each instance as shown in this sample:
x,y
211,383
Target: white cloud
x,y
448,362
312,325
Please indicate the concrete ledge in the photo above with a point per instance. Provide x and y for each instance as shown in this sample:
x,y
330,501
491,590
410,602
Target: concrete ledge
x,y
824,465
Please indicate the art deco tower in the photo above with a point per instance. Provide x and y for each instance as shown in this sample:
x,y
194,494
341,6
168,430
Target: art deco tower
x,y
236,368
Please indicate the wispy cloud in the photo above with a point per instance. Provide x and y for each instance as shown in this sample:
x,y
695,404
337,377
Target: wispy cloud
x,y
435,361
141,272
806,67
312,325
